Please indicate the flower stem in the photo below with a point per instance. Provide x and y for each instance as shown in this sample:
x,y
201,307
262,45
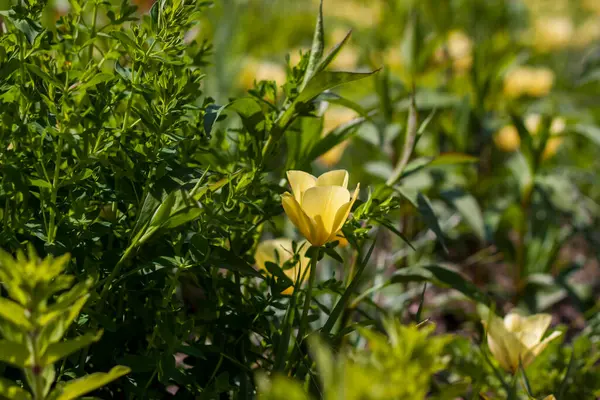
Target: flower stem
x,y
308,296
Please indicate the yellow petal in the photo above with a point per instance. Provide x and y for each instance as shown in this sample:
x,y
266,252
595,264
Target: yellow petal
x,y
550,397
298,271
531,329
542,345
321,204
334,178
273,250
298,217
504,345
532,123
300,181
342,213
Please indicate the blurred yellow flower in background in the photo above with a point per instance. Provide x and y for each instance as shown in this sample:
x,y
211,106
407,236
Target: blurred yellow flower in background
x,y
587,32
319,207
552,33
280,251
334,117
255,70
357,13
557,127
507,139
459,48
523,80
518,338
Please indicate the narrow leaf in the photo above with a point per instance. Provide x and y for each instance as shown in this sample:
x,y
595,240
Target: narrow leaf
x,y
14,353
60,350
316,51
14,313
11,391
49,79
426,210
78,387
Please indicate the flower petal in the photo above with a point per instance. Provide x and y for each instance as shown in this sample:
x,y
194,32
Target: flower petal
x,y
321,204
504,345
300,181
342,213
298,217
542,345
334,178
533,328
273,250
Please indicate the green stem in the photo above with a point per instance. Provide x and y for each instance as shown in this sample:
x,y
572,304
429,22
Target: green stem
x,y
54,194
308,296
93,31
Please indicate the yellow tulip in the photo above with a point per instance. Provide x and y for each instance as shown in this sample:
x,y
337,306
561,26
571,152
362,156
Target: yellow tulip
x,y
518,338
281,249
507,139
319,207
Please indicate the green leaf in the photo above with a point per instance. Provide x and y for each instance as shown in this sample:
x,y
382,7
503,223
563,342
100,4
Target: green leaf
x,y
337,136
333,254
163,211
426,210
326,80
78,387
125,40
232,262
468,208
589,131
57,351
182,217
10,390
441,276
333,53
248,109
14,353
316,51
96,79
49,79
341,304
14,313
40,183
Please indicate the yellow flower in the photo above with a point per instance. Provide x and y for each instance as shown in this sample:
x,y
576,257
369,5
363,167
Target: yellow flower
x,y
459,48
518,338
535,82
319,207
333,118
553,32
557,127
254,70
281,249
507,139
550,397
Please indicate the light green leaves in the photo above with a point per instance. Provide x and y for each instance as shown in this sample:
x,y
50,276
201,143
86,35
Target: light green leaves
x,y
35,340
14,313
11,391
78,387
14,354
